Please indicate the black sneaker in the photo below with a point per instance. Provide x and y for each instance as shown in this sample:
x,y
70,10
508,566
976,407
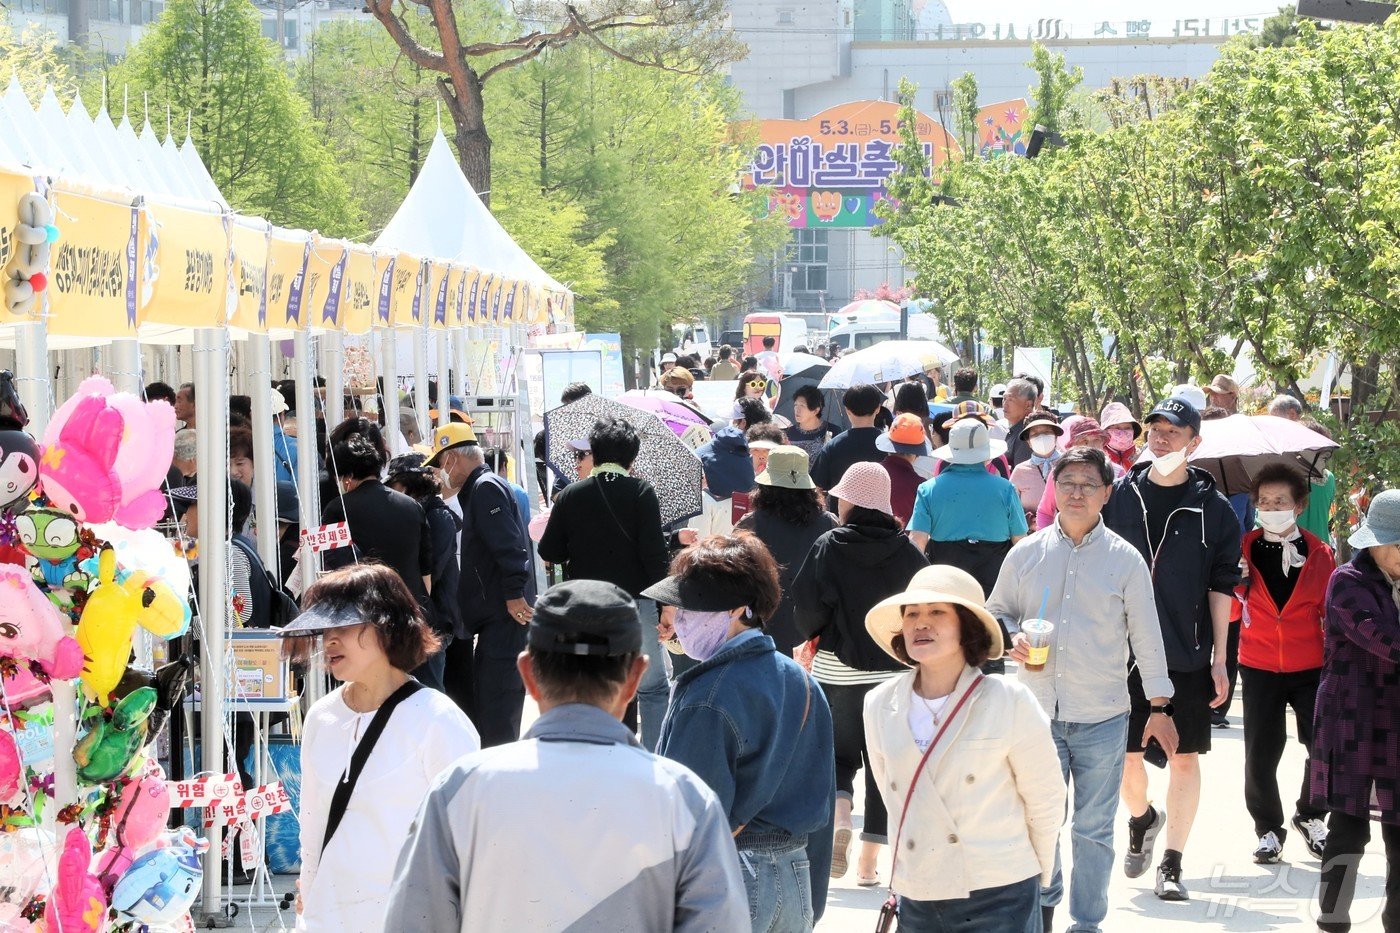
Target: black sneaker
x,y
1314,833
1269,849
1140,842
1219,720
1169,886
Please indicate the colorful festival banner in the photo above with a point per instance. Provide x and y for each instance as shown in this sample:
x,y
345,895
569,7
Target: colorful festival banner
x,y
359,290
475,279
831,170
92,266
249,242
405,298
434,305
324,272
190,284
286,267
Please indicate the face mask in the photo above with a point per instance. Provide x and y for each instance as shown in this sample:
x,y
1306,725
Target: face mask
x,y
1277,522
1043,445
701,633
1120,439
1167,464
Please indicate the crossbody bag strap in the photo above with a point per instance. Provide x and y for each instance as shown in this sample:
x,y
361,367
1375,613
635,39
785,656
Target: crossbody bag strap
x,y
914,782
346,785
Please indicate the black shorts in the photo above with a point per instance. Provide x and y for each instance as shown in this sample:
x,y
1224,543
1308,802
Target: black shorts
x,y
1192,692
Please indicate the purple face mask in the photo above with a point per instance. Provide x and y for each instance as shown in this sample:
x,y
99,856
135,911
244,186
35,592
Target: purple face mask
x,y
701,633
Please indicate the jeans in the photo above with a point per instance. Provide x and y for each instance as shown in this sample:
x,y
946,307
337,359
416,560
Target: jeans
x,y
1347,836
779,885
1091,758
1011,908
481,678
847,703
1267,699
654,692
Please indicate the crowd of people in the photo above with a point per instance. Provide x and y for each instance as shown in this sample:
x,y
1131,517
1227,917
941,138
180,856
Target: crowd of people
x,y
848,601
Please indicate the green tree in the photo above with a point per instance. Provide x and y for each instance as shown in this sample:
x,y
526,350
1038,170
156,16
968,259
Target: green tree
x,y
35,58
965,110
208,58
1054,90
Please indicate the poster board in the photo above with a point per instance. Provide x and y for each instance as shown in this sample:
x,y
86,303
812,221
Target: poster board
x,y
612,383
1038,362
259,669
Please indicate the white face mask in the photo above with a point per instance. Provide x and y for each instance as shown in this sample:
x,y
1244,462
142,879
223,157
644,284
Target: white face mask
x,y
1043,445
1277,522
1167,464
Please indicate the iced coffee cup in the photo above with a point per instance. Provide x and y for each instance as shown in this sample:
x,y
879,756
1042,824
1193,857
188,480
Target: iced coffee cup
x,y
1037,632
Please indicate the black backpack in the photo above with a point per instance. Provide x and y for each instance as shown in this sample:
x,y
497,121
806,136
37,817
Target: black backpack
x,y
273,606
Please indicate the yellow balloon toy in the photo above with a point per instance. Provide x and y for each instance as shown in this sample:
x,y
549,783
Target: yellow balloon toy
x,y
114,609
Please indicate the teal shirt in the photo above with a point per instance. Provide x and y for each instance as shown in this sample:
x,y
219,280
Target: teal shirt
x,y
1317,516
966,503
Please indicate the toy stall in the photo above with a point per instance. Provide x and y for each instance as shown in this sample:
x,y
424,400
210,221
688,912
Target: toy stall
x,y
124,264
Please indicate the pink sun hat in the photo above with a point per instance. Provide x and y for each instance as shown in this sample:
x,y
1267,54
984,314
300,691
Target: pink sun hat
x,y
866,485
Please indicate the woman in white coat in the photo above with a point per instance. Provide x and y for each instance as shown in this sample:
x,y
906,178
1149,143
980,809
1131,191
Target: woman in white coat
x,y
370,749
977,838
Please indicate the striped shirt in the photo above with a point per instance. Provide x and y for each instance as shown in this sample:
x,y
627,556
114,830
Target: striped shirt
x,y
828,669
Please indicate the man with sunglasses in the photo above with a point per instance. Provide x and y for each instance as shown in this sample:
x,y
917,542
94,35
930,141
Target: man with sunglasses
x,y
1097,591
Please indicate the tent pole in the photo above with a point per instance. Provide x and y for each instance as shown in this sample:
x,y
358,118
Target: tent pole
x,y
258,354
308,485
333,367
420,379
459,359
211,351
444,377
32,376
389,373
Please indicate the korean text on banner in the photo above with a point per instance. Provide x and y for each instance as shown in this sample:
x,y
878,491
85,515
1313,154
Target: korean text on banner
x,y
434,304
406,286
472,289
92,269
249,244
286,264
457,296
12,188
325,278
359,290
190,285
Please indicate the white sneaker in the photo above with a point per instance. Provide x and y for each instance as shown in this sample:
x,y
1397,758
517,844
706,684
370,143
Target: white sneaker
x,y
1269,849
1169,886
1314,832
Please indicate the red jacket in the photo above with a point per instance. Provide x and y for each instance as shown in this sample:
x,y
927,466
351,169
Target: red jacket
x,y
1287,640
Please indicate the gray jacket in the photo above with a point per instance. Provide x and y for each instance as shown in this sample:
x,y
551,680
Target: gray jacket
x,y
574,828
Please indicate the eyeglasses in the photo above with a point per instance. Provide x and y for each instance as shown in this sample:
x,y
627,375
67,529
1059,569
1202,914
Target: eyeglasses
x,y
1077,489
757,384
582,455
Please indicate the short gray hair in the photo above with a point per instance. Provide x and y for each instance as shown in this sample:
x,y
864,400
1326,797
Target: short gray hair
x,y
1023,388
186,444
1285,403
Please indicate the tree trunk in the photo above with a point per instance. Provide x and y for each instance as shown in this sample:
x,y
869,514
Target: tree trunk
x,y
464,104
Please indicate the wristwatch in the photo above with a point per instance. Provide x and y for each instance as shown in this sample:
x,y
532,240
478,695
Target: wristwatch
x,y
1166,709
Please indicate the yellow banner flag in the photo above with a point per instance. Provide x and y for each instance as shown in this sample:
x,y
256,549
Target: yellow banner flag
x,y
407,298
358,290
189,287
385,270
286,278
325,283
92,268
435,294
249,245
471,288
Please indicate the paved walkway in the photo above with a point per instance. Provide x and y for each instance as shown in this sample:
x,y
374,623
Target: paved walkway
x,y
1228,891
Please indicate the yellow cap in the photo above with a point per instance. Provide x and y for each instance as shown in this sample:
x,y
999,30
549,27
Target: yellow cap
x,y
449,437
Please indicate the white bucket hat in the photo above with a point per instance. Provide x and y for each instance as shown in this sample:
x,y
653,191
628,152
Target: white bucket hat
x,y
969,441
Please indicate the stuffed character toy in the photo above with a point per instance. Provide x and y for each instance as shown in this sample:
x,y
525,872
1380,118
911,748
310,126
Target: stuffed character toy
x,y
77,903
136,821
114,608
160,886
31,628
108,747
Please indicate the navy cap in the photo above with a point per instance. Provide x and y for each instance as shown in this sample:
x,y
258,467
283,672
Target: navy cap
x,y
586,617
1178,411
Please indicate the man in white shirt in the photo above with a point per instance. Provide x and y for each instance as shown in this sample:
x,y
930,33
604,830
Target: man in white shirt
x,y
575,826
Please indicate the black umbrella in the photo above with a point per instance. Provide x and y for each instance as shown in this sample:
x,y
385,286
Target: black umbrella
x,y
805,370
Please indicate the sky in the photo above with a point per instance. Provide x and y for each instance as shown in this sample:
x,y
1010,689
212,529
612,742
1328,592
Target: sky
x,y
1089,11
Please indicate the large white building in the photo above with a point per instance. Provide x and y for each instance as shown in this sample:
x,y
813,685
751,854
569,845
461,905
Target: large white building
x,y
806,56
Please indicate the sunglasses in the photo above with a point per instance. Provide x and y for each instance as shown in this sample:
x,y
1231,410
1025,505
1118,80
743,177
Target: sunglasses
x,y
757,384
582,455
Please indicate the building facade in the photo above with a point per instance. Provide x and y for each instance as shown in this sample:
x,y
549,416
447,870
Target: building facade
x,y
807,56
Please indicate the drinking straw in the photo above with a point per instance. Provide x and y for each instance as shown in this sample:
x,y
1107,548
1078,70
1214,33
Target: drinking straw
x,y
1044,602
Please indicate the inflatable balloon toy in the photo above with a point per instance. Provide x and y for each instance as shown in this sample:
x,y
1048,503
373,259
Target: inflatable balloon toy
x,y
11,768
169,683
51,538
105,454
19,466
136,821
114,608
35,235
27,863
77,903
109,746
160,886
30,626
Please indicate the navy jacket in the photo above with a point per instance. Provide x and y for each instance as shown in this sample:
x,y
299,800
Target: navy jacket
x,y
728,467
444,525
495,552
1199,555
757,729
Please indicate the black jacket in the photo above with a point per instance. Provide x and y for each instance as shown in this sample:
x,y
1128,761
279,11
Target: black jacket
x,y
607,527
1199,554
444,525
495,552
789,544
850,569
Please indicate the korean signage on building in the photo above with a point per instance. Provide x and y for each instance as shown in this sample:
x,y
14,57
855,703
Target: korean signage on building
x,y
1050,29
831,170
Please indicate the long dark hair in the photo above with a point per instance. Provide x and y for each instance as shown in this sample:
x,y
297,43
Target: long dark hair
x,y
794,506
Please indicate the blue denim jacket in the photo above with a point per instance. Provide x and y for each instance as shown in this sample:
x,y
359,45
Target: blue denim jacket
x,y
757,729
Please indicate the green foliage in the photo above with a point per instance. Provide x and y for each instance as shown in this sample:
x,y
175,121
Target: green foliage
x,y
965,109
1054,90
35,58
208,58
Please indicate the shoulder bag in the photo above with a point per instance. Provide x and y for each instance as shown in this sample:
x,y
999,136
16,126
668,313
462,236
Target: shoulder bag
x,y
890,909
